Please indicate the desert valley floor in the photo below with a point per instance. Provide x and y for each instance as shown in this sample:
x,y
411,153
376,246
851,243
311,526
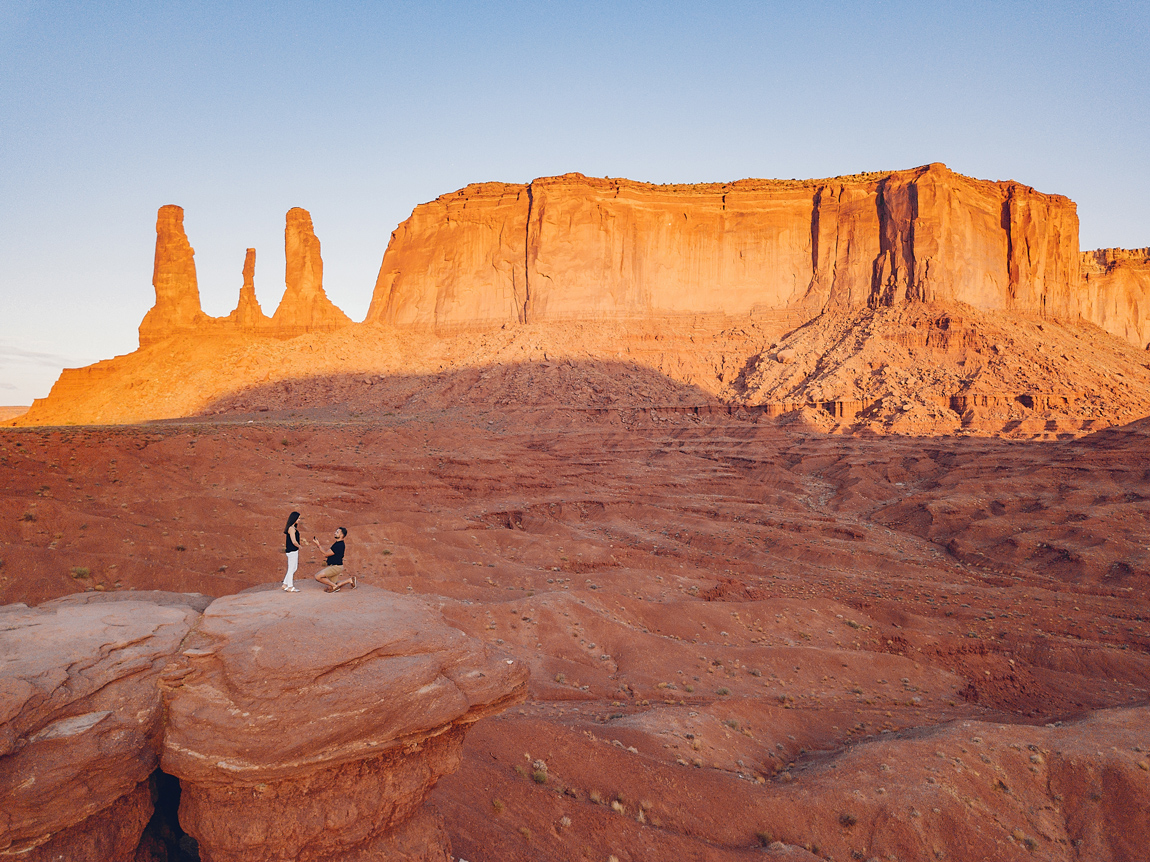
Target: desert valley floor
x,y
739,632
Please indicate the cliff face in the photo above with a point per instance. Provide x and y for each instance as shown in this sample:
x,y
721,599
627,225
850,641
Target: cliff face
x,y
1117,288
578,247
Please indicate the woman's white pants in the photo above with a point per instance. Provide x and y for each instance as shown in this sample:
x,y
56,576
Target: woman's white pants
x,y
293,564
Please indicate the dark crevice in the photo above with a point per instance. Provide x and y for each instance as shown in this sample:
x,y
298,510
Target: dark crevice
x,y
163,839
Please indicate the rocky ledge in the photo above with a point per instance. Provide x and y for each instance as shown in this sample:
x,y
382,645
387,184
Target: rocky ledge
x,y
303,726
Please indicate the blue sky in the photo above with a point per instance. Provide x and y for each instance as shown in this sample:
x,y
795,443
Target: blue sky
x,y
358,112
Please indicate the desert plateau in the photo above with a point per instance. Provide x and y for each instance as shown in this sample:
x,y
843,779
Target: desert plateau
x,y
772,519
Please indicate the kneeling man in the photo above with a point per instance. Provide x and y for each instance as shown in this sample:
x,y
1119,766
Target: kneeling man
x,y
329,575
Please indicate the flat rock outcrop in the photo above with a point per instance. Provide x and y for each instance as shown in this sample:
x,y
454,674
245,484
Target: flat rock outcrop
x,y
80,723
309,725
301,726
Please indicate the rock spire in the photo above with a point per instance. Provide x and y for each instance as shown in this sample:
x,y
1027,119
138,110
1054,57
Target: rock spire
x,y
248,316
174,278
304,307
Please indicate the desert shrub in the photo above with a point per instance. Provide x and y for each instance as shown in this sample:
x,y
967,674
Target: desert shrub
x,y
848,820
30,516
525,832
766,839
498,805
81,572
722,691
540,776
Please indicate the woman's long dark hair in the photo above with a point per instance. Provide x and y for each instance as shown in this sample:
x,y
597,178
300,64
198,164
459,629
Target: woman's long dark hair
x,y
292,518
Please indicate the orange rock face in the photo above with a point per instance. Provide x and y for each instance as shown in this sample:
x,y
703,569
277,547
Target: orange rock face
x,y
1118,292
174,278
304,307
575,247
248,316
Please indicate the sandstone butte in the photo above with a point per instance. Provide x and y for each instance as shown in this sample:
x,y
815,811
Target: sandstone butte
x,y
924,249
337,724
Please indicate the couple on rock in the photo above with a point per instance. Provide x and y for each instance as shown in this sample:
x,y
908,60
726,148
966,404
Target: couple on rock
x,y
327,575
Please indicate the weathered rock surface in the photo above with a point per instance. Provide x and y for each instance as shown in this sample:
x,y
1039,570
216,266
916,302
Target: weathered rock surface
x,y
310,726
80,720
304,307
576,247
1118,292
177,305
248,316
177,312
598,270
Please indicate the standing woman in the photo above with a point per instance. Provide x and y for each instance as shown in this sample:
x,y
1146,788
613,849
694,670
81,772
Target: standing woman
x,y
291,534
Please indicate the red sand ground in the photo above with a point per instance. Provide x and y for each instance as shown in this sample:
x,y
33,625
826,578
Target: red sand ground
x,y
739,632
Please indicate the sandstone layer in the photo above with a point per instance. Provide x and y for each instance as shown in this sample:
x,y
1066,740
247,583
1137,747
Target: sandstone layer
x,y
80,721
304,729
1117,285
575,247
301,729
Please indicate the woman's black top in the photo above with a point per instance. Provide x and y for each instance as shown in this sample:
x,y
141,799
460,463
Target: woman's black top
x,y
291,546
335,558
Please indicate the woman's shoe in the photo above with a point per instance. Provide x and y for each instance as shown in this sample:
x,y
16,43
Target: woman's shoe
x,y
354,582
291,589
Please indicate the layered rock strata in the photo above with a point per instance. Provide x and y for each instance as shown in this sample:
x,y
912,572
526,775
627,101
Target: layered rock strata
x,y
1117,288
579,247
299,729
80,724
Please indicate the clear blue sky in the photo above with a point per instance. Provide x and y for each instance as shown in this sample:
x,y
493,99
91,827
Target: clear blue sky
x,y
358,112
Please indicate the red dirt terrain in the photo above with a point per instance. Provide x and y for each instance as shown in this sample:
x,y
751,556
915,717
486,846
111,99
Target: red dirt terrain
x,y
746,636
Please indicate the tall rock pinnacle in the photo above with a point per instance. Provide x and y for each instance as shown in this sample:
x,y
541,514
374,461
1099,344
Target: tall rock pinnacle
x,y
174,278
248,314
304,307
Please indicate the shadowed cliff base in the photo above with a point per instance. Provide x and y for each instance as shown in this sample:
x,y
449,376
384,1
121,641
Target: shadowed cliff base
x,y
922,369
